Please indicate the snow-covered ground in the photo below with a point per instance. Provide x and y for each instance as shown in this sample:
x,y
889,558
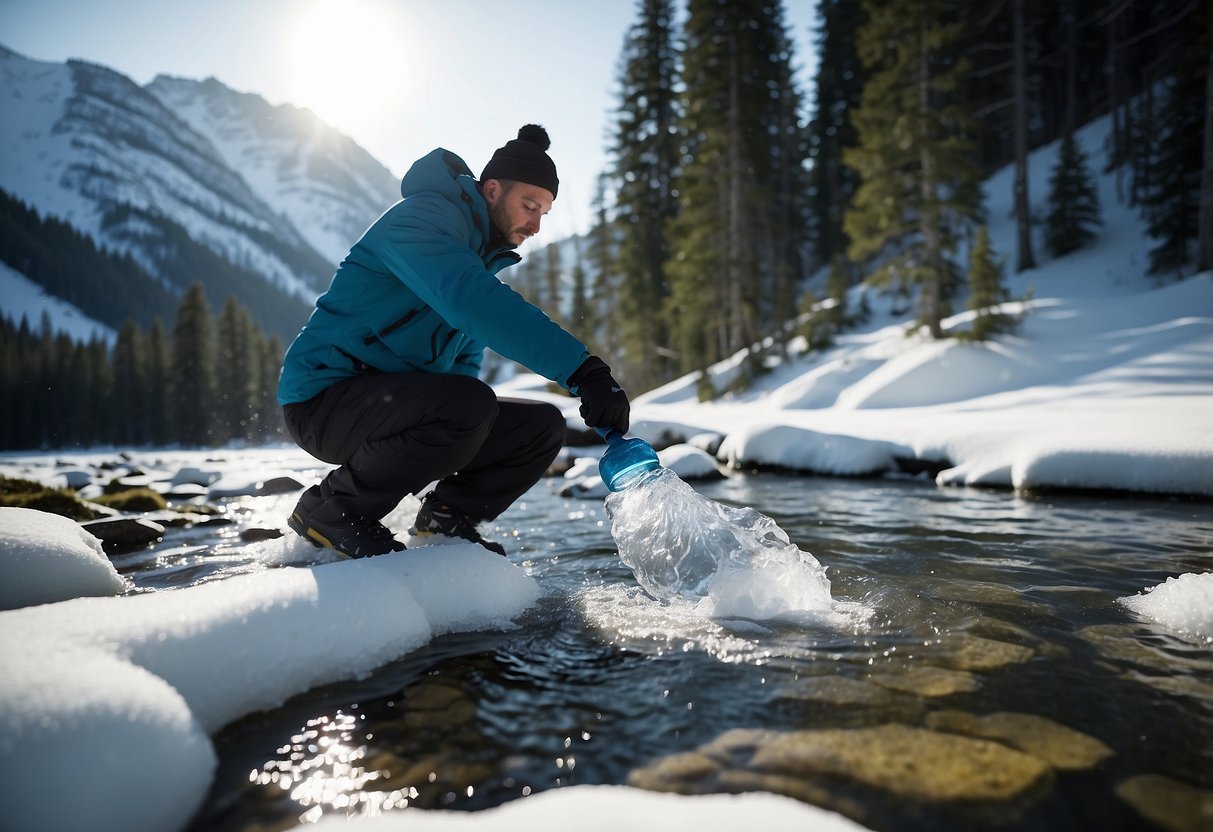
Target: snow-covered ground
x,y
1108,384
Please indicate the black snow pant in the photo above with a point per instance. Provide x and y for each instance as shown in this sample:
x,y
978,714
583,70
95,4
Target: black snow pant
x,y
392,434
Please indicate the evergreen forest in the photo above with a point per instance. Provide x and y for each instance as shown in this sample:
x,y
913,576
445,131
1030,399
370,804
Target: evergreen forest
x,y
737,209
208,381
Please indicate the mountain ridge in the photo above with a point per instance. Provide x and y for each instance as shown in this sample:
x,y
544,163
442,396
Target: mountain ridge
x,y
191,179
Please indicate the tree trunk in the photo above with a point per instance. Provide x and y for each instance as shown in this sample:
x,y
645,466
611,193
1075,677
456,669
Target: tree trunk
x,y
931,299
1205,221
1071,105
736,243
1023,209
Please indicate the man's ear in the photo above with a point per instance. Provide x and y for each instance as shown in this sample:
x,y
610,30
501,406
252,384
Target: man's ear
x,y
492,191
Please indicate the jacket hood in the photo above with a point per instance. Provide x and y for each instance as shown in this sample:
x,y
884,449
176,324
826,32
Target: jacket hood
x,y
439,170
444,173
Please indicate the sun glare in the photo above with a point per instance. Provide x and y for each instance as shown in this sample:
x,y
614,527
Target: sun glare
x,y
349,61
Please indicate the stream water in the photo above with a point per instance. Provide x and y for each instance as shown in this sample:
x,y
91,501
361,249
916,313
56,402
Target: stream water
x,y
977,672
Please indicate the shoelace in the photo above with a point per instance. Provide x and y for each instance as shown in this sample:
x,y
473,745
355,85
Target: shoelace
x,y
454,524
368,532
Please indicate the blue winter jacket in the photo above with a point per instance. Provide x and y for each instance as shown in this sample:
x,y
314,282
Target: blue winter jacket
x,y
419,292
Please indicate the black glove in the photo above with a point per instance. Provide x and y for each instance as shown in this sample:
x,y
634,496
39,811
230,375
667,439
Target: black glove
x,y
603,402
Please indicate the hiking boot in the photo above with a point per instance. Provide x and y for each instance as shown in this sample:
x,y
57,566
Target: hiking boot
x,y
328,524
436,518
309,500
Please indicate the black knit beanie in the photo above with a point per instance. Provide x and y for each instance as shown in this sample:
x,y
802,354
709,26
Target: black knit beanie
x,y
523,159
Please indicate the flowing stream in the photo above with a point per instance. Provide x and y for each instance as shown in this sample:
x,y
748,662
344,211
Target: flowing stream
x,y
972,669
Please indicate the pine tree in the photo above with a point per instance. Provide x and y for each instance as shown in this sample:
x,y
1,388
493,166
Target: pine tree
x,y
644,168
524,279
268,414
1023,211
986,291
193,371
919,185
837,285
553,275
69,417
839,85
99,425
1073,201
62,377
131,422
159,385
601,257
236,369
9,383
1171,203
581,311
736,244
26,391
1204,220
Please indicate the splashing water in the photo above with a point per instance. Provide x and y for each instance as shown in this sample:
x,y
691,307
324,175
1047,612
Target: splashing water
x,y
732,562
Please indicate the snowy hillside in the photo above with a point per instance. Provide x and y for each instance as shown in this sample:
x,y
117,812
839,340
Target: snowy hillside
x,y
322,181
1107,384
25,299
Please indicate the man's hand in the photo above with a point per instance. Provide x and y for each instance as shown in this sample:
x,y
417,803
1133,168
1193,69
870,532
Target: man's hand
x,y
603,402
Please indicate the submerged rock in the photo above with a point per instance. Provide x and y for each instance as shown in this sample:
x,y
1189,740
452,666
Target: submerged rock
x,y
1172,805
927,681
913,763
975,653
840,690
1059,746
1143,657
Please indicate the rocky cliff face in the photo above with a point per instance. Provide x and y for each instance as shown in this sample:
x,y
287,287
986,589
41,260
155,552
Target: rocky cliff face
x,y
191,178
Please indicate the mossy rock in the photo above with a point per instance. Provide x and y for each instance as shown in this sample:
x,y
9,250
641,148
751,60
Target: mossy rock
x,y
16,485
29,494
136,499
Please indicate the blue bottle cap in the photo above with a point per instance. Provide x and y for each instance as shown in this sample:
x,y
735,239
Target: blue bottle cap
x,y
625,461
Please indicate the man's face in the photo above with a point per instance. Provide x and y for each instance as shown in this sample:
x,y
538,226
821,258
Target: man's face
x,y
517,209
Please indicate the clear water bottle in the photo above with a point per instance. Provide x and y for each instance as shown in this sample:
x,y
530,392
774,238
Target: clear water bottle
x,y
625,461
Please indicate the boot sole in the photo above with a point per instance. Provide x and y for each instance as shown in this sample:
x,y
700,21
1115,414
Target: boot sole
x,y
300,528
312,536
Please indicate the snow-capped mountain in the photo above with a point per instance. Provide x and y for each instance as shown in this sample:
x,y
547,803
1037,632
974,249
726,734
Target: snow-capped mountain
x,y
323,181
179,168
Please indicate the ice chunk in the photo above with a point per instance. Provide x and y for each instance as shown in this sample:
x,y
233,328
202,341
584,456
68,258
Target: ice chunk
x,y
1184,603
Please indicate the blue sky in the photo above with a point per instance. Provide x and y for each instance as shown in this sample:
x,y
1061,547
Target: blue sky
x,y
460,74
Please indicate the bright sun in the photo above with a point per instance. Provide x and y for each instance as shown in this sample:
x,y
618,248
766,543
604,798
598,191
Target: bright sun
x,y
349,61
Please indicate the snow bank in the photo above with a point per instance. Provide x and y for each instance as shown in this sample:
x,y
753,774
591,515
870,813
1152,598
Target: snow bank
x,y
122,692
45,558
609,809
805,450
1184,604
688,462
89,740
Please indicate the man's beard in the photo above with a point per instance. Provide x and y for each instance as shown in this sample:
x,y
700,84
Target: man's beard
x,y
502,221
